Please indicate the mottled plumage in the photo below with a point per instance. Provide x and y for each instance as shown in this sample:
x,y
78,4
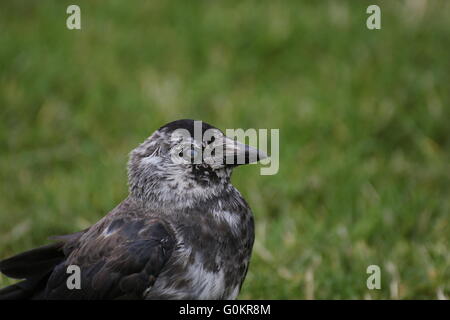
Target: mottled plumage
x,y
184,232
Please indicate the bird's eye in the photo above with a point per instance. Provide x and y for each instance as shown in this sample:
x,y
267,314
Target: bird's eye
x,y
187,154
211,140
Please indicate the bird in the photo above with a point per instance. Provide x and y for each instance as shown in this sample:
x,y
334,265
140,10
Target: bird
x,y
183,232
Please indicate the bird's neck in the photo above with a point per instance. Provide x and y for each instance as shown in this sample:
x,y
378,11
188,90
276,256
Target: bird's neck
x,y
176,195
178,189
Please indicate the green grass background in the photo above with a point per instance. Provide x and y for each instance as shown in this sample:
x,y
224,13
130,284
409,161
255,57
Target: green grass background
x,y
363,118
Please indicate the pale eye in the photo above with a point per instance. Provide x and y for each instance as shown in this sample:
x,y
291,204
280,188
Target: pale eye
x,y
194,153
187,154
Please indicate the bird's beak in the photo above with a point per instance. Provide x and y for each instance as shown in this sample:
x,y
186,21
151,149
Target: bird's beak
x,y
236,153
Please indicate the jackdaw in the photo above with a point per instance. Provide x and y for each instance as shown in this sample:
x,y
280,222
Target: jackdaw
x,y
183,232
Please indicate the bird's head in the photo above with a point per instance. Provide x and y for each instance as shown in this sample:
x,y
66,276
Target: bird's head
x,y
185,161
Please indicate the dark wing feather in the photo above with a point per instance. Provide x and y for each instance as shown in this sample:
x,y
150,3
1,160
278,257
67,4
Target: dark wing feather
x,y
118,259
34,266
35,261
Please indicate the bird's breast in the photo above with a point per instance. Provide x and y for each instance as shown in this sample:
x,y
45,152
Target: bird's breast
x,y
211,258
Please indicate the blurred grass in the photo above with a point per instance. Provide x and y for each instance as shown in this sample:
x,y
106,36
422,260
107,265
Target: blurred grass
x,y
363,118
